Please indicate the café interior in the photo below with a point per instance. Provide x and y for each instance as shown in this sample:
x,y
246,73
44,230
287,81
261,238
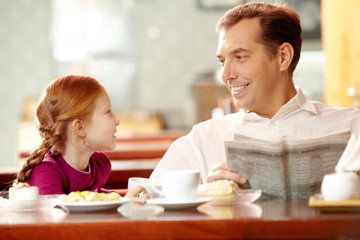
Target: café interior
x,y
156,59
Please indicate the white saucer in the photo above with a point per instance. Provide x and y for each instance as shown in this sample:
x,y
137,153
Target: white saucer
x,y
177,205
241,196
43,202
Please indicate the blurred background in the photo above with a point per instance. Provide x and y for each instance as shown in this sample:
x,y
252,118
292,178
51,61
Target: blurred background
x,y
155,57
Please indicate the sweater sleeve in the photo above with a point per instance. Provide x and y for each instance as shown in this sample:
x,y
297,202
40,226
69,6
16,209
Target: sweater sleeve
x,y
48,178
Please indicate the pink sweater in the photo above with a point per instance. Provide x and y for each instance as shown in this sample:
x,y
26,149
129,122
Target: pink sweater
x,y
55,176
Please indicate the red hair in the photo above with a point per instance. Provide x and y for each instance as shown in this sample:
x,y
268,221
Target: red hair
x,y
64,100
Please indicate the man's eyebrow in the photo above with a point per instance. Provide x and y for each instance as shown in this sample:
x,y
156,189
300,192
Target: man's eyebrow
x,y
235,51
239,50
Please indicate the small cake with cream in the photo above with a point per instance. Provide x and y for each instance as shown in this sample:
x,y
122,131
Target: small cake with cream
x,y
23,192
222,190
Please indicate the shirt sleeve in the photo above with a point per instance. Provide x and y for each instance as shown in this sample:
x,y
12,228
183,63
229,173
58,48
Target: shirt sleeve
x,y
47,178
184,153
201,149
103,190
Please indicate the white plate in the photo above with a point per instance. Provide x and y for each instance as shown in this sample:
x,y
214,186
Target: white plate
x,y
178,205
241,196
92,206
44,202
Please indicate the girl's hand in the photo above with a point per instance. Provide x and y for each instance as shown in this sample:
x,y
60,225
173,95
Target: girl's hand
x,y
137,192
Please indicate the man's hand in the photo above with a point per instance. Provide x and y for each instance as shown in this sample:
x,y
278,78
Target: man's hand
x,y
221,171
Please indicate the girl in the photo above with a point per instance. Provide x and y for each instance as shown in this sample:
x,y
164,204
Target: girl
x,y
75,121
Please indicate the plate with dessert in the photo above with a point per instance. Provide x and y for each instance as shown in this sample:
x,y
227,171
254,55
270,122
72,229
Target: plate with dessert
x,y
87,201
23,197
227,192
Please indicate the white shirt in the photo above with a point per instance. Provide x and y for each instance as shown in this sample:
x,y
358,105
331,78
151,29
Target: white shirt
x,y
300,118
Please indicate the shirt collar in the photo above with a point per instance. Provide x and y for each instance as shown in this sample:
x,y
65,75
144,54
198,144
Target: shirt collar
x,y
304,102
298,101
238,120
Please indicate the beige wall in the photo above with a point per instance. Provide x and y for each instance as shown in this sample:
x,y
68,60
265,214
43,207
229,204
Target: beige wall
x,y
165,66
26,64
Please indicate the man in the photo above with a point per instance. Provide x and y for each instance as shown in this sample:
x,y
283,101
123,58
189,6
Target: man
x,y
259,47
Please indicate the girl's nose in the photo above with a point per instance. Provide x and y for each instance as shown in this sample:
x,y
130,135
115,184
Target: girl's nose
x,y
117,121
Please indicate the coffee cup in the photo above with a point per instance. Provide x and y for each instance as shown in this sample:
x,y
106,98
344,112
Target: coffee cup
x,y
179,185
145,183
340,186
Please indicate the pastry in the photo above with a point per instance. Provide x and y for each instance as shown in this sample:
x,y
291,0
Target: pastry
x,y
23,192
222,190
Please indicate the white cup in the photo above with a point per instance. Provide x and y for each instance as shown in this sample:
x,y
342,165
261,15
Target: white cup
x,y
145,183
340,186
180,185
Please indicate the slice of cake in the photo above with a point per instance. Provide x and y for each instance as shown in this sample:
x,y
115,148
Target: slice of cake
x,y
23,192
221,187
222,190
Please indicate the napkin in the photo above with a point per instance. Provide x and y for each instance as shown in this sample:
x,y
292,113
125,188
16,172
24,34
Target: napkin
x,y
350,159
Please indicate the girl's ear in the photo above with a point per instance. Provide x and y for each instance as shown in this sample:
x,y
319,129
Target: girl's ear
x,y
286,56
78,127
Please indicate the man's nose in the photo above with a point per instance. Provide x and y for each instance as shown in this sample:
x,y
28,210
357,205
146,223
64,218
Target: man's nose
x,y
228,73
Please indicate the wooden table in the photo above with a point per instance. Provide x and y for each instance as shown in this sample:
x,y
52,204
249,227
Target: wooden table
x,y
265,219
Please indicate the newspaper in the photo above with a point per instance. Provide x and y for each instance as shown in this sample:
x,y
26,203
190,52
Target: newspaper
x,y
283,167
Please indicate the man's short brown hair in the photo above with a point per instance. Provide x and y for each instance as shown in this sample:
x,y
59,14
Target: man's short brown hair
x,y
279,24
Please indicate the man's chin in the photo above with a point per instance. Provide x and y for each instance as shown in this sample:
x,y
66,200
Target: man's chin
x,y
238,104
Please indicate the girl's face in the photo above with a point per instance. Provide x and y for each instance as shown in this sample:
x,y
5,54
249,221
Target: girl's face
x,y
101,129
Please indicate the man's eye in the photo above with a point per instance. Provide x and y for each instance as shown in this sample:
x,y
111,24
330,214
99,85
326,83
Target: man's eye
x,y
221,63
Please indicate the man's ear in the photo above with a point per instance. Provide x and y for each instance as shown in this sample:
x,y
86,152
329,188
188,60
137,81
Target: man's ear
x,y
78,127
286,52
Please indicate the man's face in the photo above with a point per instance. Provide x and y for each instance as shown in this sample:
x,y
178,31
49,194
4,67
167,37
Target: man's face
x,y
250,74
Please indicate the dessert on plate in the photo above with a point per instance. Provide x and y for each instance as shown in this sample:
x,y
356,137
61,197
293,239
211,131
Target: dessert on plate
x,y
222,190
23,192
90,196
